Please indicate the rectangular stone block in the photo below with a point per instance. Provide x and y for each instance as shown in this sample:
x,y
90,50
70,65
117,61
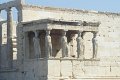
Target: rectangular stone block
x,y
91,71
115,71
66,68
105,71
36,69
91,63
53,68
112,64
78,69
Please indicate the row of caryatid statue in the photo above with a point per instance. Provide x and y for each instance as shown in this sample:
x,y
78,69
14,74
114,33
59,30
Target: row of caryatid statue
x,y
48,44
64,45
80,45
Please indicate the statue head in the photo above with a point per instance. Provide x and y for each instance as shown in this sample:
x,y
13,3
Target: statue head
x,y
95,34
79,33
64,32
36,33
47,32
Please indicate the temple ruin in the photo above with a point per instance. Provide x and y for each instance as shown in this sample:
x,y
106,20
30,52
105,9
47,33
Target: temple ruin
x,y
49,43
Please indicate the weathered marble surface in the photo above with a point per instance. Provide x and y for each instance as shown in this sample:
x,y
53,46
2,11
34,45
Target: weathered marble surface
x,y
105,67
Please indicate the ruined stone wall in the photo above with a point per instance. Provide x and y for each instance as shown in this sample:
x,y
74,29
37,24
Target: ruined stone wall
x,y
106,67
4,72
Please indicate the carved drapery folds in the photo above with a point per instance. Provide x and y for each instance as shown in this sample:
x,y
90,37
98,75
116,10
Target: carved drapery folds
x,y
48,44
37,48
64,44
80,46
95,44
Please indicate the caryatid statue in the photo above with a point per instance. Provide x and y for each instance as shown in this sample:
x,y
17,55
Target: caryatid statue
x,y
95,44
80,46
37,48
64,44
48,44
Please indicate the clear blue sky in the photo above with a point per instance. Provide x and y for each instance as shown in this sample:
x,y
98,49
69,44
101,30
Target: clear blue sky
x,y
99,5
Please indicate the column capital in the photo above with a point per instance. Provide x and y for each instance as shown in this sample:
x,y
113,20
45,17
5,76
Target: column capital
x,y
65,30
48,29
79,31
95,32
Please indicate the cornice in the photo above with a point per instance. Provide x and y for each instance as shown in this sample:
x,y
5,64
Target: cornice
x,y
63,22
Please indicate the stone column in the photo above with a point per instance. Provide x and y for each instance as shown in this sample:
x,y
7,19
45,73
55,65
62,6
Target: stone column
x,y
48,44
0,43
80,46
37,48
95,45
9,37
64,44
